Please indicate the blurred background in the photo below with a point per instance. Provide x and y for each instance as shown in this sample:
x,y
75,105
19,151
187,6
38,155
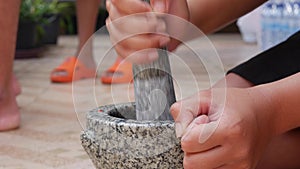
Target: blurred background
x,y
43,21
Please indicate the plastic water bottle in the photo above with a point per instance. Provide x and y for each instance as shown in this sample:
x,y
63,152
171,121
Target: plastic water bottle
x,y
288,19
279,20
273,24
280,26
266,25
296,16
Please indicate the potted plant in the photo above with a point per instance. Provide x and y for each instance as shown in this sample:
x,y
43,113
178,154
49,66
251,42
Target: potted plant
x,y
68,24
51,26
38,24
52,13
30,31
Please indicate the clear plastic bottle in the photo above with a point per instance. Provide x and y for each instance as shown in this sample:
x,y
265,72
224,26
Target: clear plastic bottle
x,y
266,25
296,16
277,22
280,26
288,19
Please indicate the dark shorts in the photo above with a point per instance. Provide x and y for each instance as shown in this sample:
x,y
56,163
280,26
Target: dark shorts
x,y
274,64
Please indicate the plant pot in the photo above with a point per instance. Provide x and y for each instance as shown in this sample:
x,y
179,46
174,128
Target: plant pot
x,y
51,29
28,36
28,40
28,53
68,25
114,139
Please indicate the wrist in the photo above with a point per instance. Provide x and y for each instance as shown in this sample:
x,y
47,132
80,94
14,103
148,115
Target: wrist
x,y
281,100
265,110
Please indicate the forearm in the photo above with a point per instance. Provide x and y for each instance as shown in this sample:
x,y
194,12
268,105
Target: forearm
x,y
233,80
282,98
210,15
271,65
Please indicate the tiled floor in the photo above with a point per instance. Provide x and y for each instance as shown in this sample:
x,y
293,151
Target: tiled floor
x,y
50,128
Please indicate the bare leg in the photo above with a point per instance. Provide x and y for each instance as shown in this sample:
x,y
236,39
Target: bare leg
x,y
283,152
87,13
9,113
86,20
86,17
16,85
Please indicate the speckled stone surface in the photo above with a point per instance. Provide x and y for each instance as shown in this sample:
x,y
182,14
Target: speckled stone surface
x,y
114,139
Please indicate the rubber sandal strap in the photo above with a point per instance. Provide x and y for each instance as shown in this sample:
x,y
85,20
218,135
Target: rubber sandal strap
x,y
75,70
67,66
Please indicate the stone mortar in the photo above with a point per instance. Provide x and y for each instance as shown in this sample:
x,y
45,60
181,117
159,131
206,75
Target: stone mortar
x,y
114,139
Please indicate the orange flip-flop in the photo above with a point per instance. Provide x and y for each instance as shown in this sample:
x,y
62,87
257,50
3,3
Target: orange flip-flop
x,y
71,70
119,72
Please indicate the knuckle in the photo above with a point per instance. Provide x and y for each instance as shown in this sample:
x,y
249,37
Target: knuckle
x,y
174,109
237,130
189,146
152,43
185,146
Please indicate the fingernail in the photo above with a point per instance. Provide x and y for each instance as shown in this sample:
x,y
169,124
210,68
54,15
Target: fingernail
x,y
201,119
152,55
178,130
163,41
159,6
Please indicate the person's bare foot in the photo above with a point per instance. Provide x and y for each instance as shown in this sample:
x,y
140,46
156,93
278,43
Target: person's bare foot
x,y
9,111
9,115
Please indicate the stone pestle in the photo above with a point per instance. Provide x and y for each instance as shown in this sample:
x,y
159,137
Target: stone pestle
x,y
154,90
153,87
